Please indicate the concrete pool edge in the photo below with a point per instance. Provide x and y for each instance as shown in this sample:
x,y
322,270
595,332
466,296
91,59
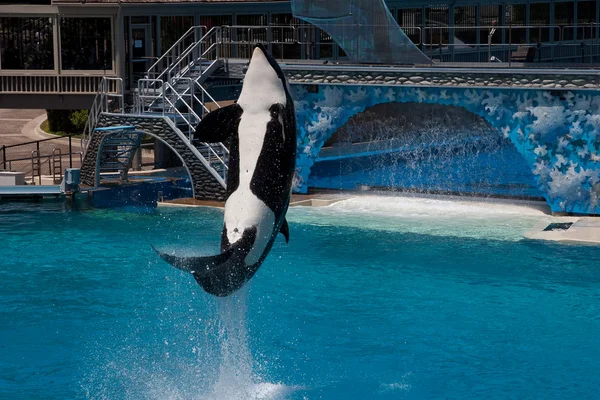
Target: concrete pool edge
x,y
584,230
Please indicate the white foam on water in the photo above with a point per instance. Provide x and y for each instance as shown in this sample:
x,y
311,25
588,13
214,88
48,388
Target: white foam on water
x,y
438,216
223,370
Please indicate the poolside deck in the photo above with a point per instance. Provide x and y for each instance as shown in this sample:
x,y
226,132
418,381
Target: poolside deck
x,y
581,230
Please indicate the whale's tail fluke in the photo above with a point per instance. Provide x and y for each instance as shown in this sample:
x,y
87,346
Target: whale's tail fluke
x,y
221,274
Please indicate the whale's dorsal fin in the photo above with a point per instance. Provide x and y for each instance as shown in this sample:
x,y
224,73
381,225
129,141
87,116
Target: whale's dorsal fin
x,y
219,125
285,230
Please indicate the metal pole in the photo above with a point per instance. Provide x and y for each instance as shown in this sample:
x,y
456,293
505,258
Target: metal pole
x,y
70,154
39,162
510,44
3,156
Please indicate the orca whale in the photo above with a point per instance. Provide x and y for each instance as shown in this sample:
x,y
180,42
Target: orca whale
x,y
261,130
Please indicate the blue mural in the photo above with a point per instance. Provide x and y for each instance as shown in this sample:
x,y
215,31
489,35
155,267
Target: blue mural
x,y
558,133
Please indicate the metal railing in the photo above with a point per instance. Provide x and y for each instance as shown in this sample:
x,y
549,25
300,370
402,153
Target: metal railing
x,y
35,157
302,41
172,56
160,98
103,102
27,82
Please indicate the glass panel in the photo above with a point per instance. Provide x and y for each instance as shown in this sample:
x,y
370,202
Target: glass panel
x,y
516,15
539,16
173,28
140,20
436,19
250,35
465,19
284,36
489,17
410,20
586,16
26,43
223,21
364,29
564,16
86,43
322,8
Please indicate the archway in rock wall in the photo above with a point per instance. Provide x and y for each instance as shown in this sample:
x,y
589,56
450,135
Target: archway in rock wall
x,y
556,132
169,182
424,148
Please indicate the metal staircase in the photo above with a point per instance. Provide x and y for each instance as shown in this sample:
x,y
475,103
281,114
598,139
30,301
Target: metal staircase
x,y
173,88
116,151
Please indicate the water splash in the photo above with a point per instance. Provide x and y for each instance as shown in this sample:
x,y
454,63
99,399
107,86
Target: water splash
x,y
206,358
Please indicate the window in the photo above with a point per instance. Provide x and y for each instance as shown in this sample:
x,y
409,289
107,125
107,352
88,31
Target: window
x,y
26,43
465,19
410,21
490,17
173,28
539,14
586,16
564,13
516,20
86,43
437,32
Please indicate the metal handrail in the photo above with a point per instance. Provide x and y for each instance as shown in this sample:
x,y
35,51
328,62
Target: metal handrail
x,y
176,44
176,65
429,31
100,105
55,153
36,166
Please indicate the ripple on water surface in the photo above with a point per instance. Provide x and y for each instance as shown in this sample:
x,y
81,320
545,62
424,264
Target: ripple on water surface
x,y
378,298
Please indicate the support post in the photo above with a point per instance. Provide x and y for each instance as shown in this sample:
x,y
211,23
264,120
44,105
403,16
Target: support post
x,y
3,156
71,154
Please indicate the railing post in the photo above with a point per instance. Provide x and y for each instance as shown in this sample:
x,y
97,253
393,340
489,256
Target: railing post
x,y
3,156
71,154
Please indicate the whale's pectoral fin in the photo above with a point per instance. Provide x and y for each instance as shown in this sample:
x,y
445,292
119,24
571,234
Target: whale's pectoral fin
x,y
218,125
193,264
285,230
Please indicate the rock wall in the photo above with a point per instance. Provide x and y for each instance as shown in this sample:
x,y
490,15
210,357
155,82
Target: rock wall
x,y
500,77
206,187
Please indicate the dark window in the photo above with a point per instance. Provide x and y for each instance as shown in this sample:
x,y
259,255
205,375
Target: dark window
x,y
564,13
285,33
410,20
223,21
516,20
539,15
564,17
490,18
437,32
256,33
26,43
465,19
86,43
173,28
586,16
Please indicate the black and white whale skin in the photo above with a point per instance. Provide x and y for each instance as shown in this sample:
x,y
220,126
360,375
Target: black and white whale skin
x,y
261,130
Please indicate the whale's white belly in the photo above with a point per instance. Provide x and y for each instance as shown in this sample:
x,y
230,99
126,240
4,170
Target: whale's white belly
x,y
243,209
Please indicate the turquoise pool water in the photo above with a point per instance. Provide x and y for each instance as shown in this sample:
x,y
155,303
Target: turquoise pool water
x,y
372,299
